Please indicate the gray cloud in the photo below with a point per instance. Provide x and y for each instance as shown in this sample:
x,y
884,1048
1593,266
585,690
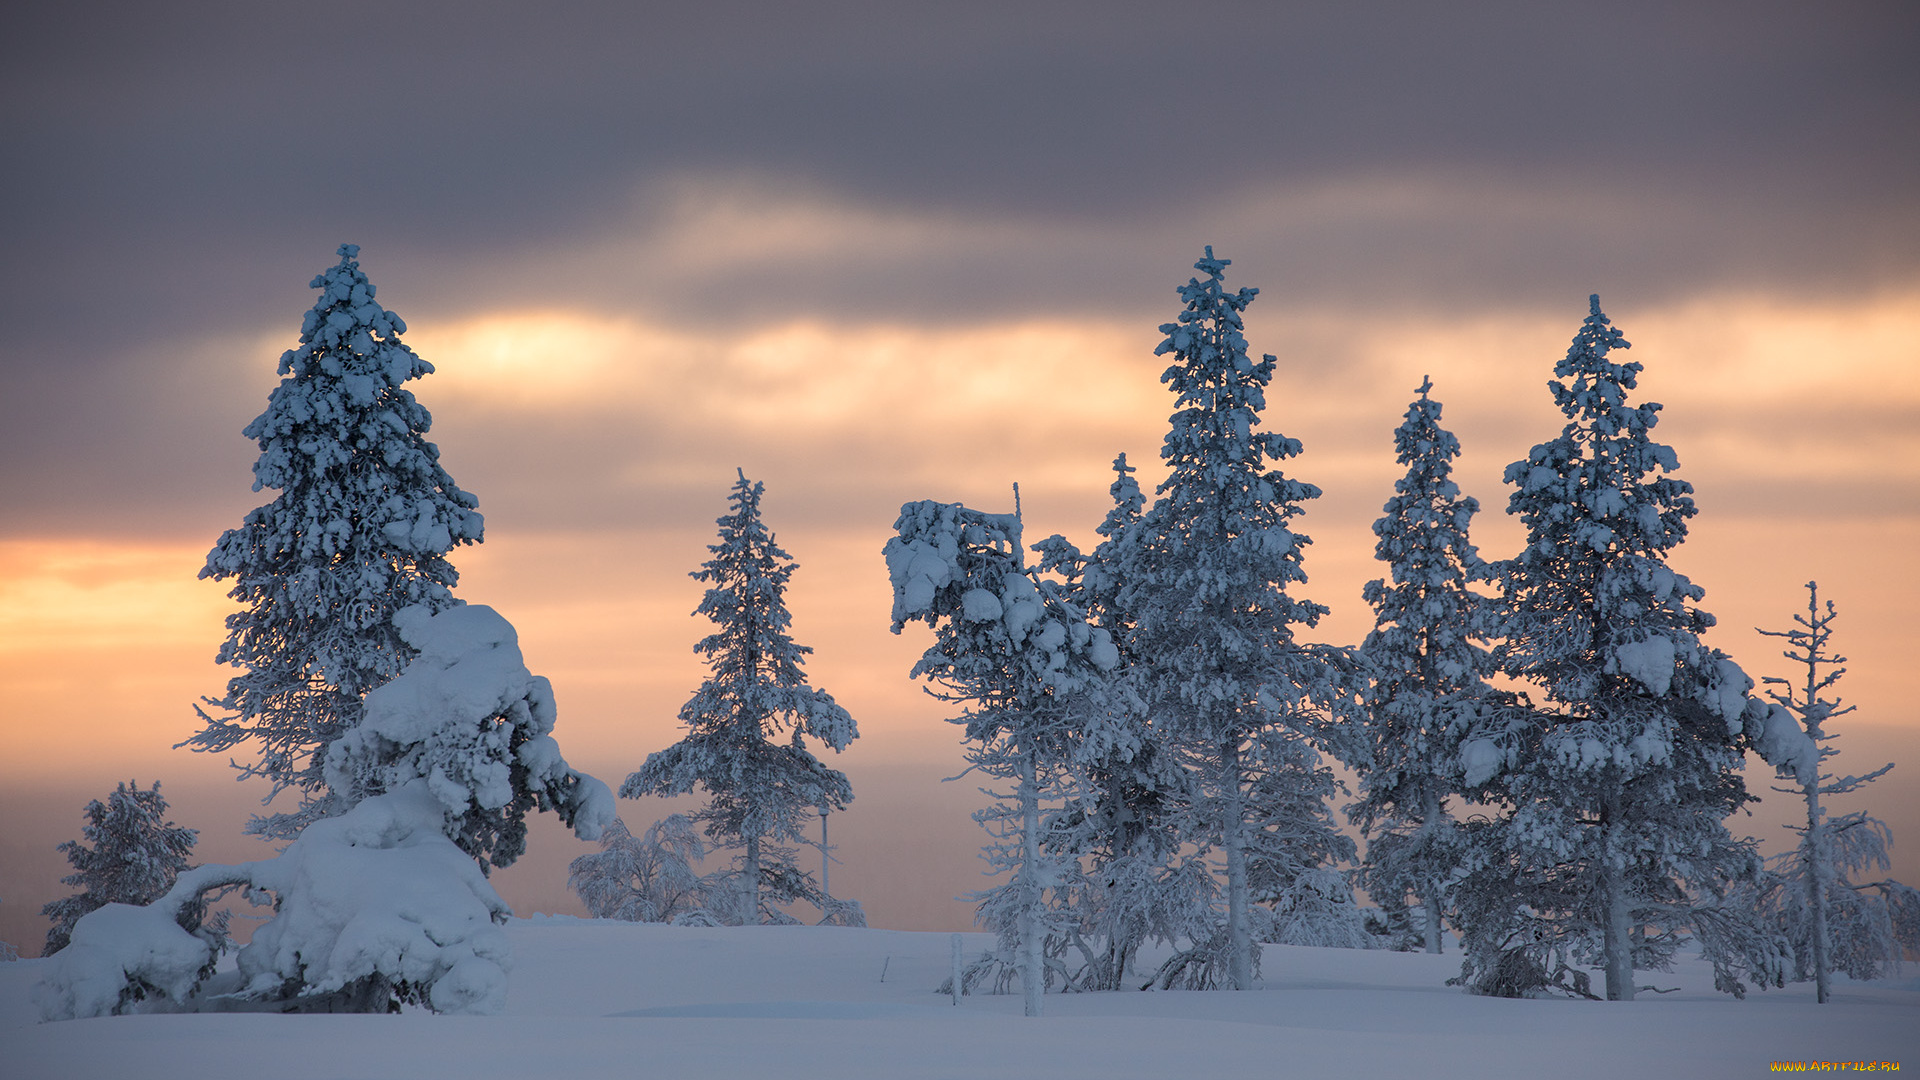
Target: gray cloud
x,y
172,162
180,171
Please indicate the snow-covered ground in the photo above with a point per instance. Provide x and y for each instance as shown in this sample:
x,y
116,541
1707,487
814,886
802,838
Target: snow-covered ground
x,y
591,999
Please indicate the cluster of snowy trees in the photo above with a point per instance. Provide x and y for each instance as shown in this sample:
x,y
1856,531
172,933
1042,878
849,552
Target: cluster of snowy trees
x,y
1162,734
1546,750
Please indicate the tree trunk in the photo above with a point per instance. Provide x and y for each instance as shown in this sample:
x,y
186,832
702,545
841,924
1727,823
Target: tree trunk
x,y
1430,894
751,893
1033,971
1617,910
1234,837
1814,845
1120,946
1817,871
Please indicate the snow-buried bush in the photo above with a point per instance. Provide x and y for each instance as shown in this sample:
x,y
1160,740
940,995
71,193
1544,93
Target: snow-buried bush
x,y
379,905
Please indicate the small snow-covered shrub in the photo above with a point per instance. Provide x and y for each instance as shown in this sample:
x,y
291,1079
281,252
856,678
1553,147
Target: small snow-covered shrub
x,y
134,857
649,878
842,913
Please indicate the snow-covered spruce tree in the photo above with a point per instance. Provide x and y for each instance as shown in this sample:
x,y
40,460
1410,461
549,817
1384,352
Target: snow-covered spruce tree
x,y
1833,923
1427,663
361,529
1615,842
1139,885
1205,574
650,878
1032,676
762,793
135,856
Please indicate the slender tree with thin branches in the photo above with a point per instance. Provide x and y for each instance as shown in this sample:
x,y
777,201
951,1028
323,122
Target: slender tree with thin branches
x,y
1832,922
747,723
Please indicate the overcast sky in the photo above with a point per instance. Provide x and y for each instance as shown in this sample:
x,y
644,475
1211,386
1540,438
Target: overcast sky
x,y
877,252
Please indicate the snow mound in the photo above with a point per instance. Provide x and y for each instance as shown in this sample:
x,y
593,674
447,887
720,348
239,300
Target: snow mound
x,y
382,891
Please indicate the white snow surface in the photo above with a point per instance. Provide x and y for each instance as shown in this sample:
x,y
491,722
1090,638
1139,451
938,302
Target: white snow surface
x,y
590,999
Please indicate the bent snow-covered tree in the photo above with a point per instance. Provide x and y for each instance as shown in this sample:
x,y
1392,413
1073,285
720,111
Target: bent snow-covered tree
x,y
746,723
468,719
1032,675
135,856
361,529
1205,574
1616,840
384,903
1833,922
1427,664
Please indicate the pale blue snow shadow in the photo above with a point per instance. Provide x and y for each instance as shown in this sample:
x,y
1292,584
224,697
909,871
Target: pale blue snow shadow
x,y
793,1010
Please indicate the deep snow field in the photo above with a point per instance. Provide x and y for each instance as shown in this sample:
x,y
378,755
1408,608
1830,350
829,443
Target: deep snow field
x,y
607,999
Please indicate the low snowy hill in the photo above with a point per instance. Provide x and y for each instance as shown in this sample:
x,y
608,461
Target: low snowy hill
x,y
592,999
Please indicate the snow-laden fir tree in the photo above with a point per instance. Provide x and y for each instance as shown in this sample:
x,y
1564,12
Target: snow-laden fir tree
x,y
746,723
1139,885
1426,661
1615,842
361,529
1205,574
1032,676
134,857
1833,922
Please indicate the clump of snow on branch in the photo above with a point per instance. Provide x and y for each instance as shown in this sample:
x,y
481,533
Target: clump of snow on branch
x,y
926,557
1649,662
1787,747
382,891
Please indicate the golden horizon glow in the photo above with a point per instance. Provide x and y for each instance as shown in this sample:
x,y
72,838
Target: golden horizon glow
x,y
105,644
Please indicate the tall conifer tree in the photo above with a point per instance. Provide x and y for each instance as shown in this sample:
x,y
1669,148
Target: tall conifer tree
x,y
1427,663
361,529
1128,819
1206,576
1031,674
1631,765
